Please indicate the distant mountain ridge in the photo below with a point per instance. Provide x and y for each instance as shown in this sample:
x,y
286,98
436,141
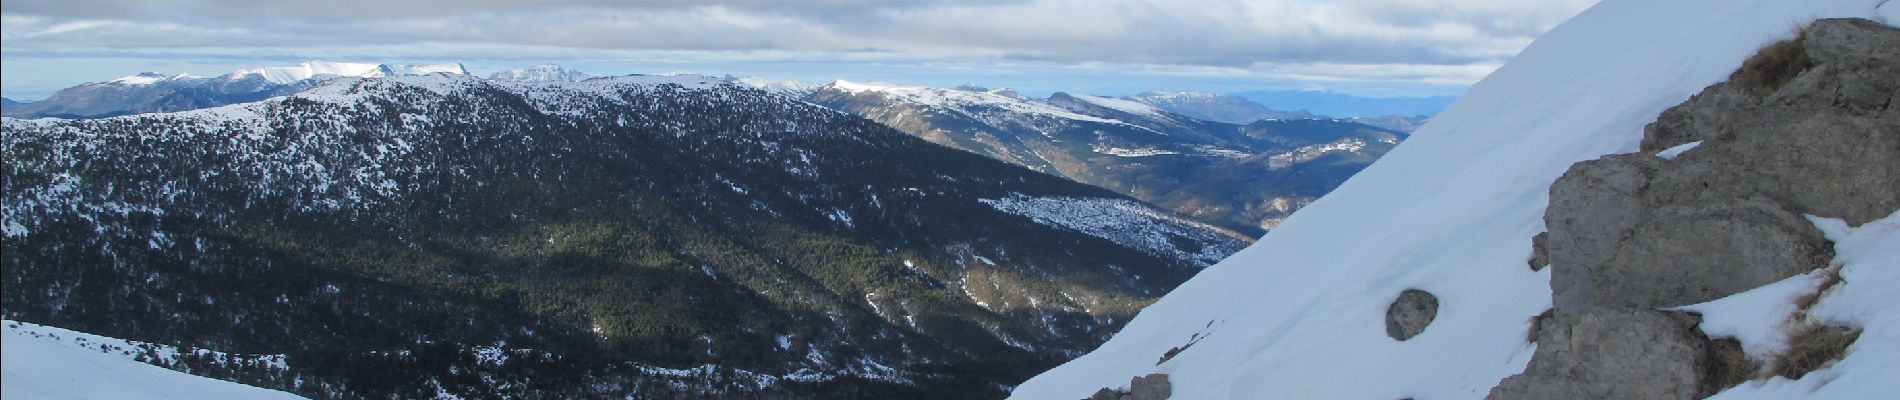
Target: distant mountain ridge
x,y
1215,107
1244,177
540,73
151,92
1342,105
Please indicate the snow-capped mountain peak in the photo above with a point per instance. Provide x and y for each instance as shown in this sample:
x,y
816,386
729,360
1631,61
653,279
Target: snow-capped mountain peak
x,y
147,78
540,73
321,69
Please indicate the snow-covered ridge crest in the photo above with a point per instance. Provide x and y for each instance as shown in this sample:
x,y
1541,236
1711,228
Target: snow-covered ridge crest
x,y
959,99
148,78
1451,212
319,69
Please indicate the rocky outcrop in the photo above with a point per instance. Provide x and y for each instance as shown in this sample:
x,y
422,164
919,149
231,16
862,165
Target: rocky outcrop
x,y
1612,353
1410,314
1809,126
1149,387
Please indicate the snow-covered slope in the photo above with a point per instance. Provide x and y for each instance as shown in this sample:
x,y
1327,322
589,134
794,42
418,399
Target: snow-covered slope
x,y
43,362
1451,212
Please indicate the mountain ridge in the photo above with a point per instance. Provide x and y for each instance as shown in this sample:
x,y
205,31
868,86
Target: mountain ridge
x,y
751,244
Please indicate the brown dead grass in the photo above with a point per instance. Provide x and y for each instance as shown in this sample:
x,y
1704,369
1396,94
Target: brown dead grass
x,y
1727,365
1828,282
1537,324
1775,65
1811,346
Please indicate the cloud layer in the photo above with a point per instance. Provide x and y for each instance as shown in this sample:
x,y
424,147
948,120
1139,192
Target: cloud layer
x,y
1419,41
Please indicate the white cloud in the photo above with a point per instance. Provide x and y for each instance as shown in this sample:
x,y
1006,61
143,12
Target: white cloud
x,y
1438,41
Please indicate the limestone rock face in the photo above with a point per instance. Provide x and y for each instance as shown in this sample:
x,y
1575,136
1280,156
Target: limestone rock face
x,y
1151,387
1410,314
1630,234
1635,230
1611,353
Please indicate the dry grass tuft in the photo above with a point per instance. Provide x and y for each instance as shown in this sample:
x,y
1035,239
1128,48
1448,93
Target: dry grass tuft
x,y
1537,324
1727,365
1811,346
1775,65
1828,282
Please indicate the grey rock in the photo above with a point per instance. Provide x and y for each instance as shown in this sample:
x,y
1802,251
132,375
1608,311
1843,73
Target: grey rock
x,y
1632,233
1827,143
1540,253
1609,353
1410,314
1150,387
1592,207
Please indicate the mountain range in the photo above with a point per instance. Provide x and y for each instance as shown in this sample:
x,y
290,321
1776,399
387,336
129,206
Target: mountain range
x,y
1244,177
648,236
151,92
1345,105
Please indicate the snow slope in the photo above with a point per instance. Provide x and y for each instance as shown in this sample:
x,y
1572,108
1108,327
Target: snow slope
x,y
1300,314
43,362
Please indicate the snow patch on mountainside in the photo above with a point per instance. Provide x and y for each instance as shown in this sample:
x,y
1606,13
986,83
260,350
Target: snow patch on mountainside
x,y
1125,222
43,362
1300,314
1127,106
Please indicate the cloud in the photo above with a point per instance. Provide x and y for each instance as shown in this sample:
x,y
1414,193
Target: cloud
x,y
1430,40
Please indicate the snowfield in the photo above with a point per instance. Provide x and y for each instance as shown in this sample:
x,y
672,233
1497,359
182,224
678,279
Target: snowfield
x,y
1300,314
43,362
1124,222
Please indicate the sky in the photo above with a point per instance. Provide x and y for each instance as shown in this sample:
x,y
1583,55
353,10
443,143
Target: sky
x,y
1379,48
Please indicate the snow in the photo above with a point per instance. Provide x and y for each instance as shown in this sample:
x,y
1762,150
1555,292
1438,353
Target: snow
x,y
1121,152
43,362
147,78
1127,106
1869,257
1122,221
1754,317
1673,152
1300,314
